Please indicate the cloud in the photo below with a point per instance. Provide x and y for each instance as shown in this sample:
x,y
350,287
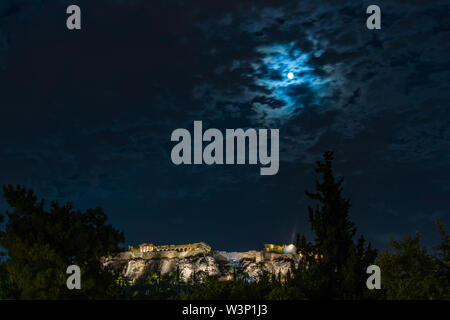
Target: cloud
x,y
99,126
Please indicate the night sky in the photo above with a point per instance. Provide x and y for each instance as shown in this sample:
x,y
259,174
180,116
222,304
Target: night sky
x,y
86,116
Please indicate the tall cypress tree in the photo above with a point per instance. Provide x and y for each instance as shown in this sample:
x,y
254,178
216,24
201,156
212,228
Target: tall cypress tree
x,y
336,265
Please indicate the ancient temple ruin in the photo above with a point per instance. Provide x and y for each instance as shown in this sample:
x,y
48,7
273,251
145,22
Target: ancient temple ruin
x,y
150,247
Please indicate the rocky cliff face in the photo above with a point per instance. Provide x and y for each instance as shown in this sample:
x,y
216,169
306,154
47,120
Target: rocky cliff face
x,y
213,263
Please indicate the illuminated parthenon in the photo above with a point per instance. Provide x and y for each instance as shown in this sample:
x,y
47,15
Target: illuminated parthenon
x,y
150,247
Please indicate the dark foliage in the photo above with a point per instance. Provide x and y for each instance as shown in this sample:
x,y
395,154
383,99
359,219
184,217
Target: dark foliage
x,y
40,244
334,266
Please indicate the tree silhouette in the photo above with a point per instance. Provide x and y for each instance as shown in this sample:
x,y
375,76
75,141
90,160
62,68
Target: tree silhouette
x,y
410,272
41,243
334,266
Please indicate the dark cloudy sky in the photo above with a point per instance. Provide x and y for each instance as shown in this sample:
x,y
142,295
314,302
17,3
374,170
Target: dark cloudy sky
x,y
86,116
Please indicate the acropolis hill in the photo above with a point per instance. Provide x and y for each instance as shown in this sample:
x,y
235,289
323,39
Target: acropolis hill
x,y
200,259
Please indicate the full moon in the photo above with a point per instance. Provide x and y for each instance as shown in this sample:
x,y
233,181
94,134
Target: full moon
x,y
290,75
